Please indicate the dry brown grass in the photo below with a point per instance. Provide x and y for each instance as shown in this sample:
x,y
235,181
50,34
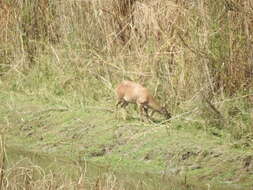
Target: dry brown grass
x,y
184,50
207,43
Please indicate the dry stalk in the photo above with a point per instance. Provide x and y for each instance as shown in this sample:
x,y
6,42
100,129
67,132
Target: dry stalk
x,y
2,160
212,106
198,52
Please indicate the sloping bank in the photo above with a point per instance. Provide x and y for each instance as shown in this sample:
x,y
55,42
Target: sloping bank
x,y
157,153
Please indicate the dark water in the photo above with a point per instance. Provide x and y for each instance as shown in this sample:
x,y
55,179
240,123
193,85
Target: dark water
x,y
93,172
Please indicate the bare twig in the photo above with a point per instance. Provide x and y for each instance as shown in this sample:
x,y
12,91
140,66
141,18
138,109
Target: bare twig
x,y
2,160
212,106
196,52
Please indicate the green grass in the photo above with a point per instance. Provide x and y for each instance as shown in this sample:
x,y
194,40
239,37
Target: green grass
x,y
62,127
57,76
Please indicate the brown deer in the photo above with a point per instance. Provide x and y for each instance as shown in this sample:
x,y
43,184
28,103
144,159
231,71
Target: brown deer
x,y
131,92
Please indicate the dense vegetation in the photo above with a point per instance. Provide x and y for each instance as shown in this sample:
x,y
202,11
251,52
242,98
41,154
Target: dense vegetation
x,y
196,56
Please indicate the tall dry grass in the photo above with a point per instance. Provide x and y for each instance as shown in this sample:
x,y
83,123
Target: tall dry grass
x,y
187,51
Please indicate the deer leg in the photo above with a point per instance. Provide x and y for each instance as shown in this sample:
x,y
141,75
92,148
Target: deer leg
x,y
141,111
119,102
124,105
116,108
146,114
146,111
152,113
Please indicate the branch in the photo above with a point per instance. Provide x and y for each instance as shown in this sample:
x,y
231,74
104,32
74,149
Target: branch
x,y
196,52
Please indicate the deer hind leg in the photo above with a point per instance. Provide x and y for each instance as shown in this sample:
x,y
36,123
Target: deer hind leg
x,y
140,106
146,114
119,103
145,108
122,104
152,113
143,112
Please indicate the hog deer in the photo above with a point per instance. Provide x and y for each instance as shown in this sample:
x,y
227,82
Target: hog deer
x,y
131,92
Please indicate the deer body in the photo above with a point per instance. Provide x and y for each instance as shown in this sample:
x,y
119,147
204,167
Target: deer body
x,y
131,92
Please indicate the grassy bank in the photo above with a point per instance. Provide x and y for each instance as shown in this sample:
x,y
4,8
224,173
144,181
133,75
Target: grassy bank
x,y
60,62
72,131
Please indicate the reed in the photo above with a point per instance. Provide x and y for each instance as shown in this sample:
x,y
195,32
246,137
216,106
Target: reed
x,y
184,50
